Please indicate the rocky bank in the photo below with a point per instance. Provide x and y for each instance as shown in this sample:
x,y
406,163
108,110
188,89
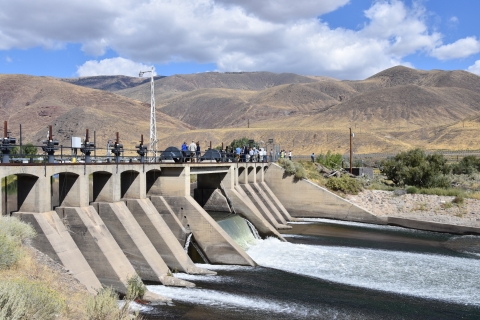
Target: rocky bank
x,y
422,207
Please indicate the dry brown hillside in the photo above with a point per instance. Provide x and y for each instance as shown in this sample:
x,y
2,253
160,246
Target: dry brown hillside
x,y
396,109
36,102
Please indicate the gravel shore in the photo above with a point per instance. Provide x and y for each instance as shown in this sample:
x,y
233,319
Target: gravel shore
x,y
419,207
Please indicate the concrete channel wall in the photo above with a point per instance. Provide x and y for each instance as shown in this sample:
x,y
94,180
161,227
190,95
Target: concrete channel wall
x,y
302,198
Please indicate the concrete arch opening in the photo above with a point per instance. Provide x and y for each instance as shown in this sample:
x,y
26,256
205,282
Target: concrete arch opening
x,y
130,184
102,187
67,192
28,194
241,175
152,178
9,197
251,174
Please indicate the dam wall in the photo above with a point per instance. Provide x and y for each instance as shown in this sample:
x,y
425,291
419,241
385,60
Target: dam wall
x,y
302,198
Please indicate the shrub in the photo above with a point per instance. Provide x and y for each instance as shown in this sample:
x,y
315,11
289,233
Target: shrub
x,y
135,288
330,160
10,252
416,169
412,190
102,306
288,165
24,299
458,199
300,172
467,165
15,228
345,184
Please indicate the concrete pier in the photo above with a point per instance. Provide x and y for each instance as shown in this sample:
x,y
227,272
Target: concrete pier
x,y
161,237
135,244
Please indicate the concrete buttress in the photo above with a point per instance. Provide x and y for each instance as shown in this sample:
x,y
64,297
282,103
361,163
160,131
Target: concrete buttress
x,y
215,243
161,237
99,248
54,239
135,244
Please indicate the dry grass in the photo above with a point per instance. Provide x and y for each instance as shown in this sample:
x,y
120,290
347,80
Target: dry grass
x,y
29,269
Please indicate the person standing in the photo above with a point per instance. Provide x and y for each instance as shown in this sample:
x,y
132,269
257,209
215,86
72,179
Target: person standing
x,y
198,151
313,157
184,151
238,151
193,149
290,155
271,155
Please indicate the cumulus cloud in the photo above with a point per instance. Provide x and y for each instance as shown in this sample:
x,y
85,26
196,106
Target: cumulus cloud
x,y
242,35
114,66
282,10
459,49
475,68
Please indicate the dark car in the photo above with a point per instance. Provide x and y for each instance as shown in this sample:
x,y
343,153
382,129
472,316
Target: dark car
x,y
172,153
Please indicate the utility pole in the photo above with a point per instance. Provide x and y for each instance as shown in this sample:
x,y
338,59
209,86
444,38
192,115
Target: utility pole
x,y
351,153
153,121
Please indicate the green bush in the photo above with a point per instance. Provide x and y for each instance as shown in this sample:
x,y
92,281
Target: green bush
x,y
468,165
415,168
449,192
412,190
135,288
24,299
330,160
344,184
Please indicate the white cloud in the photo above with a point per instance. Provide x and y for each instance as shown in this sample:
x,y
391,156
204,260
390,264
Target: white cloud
x,y
475,68
8,59
282,10
459,49
248,35
114,66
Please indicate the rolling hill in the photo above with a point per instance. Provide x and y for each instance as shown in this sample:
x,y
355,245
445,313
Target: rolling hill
x,y
396,109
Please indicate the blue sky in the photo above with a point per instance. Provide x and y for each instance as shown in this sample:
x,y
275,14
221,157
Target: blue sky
x,y
345,39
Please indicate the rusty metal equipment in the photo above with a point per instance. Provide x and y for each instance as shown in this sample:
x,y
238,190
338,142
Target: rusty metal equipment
x,y
8,143
50,146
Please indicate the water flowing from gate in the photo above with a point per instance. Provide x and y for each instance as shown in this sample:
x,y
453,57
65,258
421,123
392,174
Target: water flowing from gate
x,y
187,243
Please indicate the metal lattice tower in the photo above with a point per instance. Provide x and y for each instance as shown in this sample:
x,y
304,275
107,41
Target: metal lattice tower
x,y
153,121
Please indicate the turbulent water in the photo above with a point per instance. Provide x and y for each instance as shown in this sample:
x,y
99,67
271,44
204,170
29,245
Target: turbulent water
x,y
339,270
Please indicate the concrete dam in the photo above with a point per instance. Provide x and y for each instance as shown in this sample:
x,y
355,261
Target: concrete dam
x,y
111,221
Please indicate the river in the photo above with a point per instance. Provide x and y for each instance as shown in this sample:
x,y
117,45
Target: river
x,y
336,270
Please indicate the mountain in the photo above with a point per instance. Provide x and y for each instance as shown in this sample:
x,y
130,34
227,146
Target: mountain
x,y
109,83
396,109
36,102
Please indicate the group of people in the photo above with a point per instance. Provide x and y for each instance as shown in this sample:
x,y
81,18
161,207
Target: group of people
x,y
284,154
191,151
247,154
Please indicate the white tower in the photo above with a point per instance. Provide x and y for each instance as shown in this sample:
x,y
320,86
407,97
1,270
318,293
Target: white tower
x,y
153,122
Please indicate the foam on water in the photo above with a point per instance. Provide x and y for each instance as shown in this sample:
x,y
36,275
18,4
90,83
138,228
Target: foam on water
x,y
218,299
423,275
355,224
196,277
217,267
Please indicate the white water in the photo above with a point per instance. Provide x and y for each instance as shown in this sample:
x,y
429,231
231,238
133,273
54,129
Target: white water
x,y
355,224
423,275
213,298
187,243
253,229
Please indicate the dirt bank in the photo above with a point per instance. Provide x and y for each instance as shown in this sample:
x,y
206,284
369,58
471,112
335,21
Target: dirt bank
x,y
429,208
